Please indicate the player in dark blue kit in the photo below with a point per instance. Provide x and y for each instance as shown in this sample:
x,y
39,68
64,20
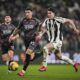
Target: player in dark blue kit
x,y
28,29
6,30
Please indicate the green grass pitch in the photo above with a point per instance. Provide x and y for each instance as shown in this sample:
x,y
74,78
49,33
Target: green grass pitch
x,y
54,72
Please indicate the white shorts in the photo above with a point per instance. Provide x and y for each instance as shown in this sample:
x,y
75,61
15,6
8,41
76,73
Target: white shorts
x,y
57,45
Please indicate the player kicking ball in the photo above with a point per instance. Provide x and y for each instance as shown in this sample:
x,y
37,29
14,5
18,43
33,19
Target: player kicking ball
x,y
29,26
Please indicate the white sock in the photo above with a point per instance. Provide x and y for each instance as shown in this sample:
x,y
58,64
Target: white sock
x,y
23,71
7,62
65,58
45,56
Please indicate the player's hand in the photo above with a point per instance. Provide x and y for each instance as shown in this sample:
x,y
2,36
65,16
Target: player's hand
x,y
11,38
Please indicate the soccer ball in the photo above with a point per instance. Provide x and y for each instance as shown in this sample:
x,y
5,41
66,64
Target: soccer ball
x,y
14,66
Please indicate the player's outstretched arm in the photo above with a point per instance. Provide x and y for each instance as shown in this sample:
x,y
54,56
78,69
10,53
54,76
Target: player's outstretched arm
x,y
72,25
40,32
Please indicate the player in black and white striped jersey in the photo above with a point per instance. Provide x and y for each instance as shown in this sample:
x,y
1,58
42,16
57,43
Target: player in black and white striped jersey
x,y
53,26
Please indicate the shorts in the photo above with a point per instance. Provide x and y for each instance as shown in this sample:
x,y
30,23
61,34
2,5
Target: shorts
x,y
33,46
27,41
57,45
36,47
5,47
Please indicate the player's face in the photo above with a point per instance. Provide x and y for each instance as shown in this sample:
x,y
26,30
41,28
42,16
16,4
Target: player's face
x,y
28,14
7,19
50,14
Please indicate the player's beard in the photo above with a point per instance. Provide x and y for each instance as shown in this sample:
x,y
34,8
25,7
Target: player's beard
x,y
7,22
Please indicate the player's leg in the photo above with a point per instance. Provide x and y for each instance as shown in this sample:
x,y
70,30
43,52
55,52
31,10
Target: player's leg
x,y
10,58
46,50
29,55
10,54
65,58
57,51
4,50
5,55
60,56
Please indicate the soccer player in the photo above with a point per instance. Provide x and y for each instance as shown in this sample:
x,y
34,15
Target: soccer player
x,y
28,28
6,29
53,26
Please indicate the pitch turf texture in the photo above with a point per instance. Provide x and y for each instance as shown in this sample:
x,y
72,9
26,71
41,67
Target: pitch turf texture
x,y
55,72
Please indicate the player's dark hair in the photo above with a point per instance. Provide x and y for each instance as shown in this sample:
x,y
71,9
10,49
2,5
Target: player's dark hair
x,y
7,15
29,8
51,9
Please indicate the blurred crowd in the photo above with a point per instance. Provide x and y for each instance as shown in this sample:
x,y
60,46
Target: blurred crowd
x,y
65,8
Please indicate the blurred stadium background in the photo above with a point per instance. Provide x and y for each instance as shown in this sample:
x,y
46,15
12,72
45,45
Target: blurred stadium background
x,y
65,8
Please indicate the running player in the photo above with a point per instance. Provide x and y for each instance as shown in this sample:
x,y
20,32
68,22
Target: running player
x,y
53,26
6,29
28,29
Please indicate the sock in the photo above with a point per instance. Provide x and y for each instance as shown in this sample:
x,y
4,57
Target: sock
x,y
27,61
45,56
65,58
23,71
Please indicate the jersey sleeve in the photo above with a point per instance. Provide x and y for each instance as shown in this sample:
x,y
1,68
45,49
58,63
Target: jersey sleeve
x,y
20,26
60,19
18,29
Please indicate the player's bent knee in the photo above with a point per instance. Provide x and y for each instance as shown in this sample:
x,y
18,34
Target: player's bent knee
x,y
32,55
45,49
56,51
58,55
10,53
5,57
29,51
